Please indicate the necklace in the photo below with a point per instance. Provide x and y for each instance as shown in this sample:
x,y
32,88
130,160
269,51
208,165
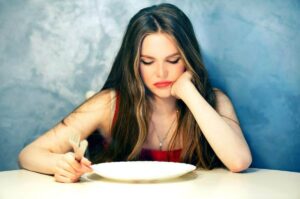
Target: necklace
x,y
161,141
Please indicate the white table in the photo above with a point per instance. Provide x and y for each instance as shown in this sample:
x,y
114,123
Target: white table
x,y
217,183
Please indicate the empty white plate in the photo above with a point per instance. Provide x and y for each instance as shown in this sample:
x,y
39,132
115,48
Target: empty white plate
x,y
142,170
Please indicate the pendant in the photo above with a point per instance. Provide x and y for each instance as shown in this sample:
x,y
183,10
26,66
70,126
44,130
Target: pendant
x,y
160,145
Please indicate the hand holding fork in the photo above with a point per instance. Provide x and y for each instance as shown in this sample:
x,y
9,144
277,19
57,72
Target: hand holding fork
x,y
71,166
79,147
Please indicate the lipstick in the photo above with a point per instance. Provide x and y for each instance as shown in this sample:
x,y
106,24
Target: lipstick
x,y
163,84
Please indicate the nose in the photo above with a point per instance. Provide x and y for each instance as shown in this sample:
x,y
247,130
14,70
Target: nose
x,y
161,70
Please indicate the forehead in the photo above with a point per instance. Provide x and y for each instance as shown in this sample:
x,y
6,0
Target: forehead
x,y
158,45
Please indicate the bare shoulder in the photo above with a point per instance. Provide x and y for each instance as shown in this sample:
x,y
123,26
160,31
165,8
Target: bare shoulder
x,y
221,97
103,103
95,112
224,105
100,100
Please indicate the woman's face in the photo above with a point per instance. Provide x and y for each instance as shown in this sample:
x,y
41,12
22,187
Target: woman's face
x,y
160,64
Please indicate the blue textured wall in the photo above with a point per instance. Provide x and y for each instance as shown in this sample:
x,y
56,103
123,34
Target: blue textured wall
x,y
52,52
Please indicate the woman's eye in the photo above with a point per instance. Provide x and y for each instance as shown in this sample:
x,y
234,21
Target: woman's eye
x,y
174,61
146,62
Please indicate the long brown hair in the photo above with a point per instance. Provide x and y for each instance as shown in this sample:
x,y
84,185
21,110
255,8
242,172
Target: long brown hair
x,y
131,126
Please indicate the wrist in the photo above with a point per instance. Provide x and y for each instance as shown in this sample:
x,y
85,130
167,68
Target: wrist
x,y
186,91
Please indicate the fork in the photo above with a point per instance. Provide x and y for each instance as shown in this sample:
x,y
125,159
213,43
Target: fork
x,y
79,147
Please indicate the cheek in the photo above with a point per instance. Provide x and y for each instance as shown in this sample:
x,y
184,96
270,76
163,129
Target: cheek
x,y
182,67
143,74
180,70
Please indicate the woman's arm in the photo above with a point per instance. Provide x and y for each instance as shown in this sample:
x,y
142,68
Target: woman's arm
x,y
49,152
220,127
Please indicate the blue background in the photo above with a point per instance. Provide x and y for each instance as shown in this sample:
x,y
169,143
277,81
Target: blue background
x,y
53,52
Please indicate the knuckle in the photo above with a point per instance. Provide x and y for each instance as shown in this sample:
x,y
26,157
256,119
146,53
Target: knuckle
x,y
69,156
74,178
57,178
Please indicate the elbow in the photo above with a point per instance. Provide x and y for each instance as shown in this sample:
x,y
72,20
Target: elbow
x,y
241,164
21,158
24,157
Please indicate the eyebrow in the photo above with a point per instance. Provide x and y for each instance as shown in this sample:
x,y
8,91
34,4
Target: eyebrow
x,y
173,54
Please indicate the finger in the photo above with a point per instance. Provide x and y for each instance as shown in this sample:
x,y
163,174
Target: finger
x,y
74,164
86,165
65,173
86,169
77,152
86,162
60,178
65,165
65,176
64,179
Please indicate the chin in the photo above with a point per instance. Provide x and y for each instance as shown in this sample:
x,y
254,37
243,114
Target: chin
x,y
162,93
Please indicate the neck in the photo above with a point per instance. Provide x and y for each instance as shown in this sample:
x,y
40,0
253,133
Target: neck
x,y
163,106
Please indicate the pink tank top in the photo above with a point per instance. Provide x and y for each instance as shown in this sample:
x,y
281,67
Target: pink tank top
x,y
151,154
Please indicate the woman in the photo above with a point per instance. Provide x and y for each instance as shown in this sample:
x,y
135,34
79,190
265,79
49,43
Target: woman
x,y
157,104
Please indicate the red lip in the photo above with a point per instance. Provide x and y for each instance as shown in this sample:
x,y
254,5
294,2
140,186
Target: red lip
x,y
163,84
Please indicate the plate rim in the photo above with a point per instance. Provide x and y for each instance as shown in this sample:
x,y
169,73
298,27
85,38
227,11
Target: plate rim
x,y
192,168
